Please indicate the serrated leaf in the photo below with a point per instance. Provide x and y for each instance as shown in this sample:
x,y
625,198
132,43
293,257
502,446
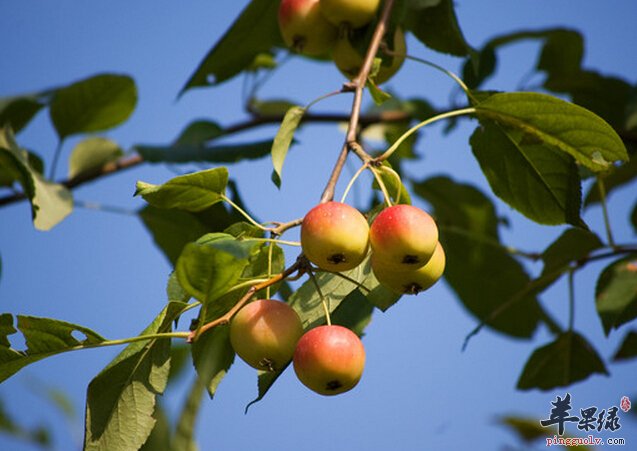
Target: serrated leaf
x,y
50,202
94,104
568,359
628,348
488,281
556,123
17,112
191,192
185,153
209,268
436,26
44,337
541,183
212,356
254,32
616,293
121,399
92,153
283,140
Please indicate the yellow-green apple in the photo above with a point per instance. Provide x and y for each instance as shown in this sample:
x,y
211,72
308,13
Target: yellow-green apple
x,y
411,281
403,236
304,28
349,60
354,13
329,359
335,236
264,334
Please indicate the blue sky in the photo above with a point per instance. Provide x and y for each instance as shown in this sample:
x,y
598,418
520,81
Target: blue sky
x,y
102,270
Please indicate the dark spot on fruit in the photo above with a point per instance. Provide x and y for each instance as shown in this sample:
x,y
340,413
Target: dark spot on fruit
x,y
333,385
336,258
411,259
266,364
412,288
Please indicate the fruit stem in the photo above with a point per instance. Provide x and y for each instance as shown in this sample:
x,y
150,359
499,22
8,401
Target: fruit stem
x,y
382,186
242,212
326,306
358,85
415,128
351,182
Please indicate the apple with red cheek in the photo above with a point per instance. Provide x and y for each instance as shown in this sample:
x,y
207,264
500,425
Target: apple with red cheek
x,y
403,237
410,281
329,359
264,334
304,28
335,236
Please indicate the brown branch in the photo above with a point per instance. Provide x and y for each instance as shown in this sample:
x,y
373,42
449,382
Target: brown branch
x,y
225,319
358,85
254,122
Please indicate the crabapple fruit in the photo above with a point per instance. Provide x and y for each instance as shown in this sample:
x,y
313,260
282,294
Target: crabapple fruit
x,y
349,61
335,236
329,359
403,236
355,13
411,281
264,334
304,29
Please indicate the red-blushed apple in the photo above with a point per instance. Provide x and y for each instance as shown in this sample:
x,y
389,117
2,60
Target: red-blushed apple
x,y
335,236
264,334
411,281
354,13
329,359
403,236
305,29
349,61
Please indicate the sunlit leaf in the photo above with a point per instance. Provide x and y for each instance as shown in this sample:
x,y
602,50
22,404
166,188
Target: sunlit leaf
x,y
568,359
538,181
93,104
92,153
121,399
190,192
254,32
50,202
616,293
283,140
550,121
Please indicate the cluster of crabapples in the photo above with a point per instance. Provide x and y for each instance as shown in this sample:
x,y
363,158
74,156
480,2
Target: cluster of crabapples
x,y
406,257
324,28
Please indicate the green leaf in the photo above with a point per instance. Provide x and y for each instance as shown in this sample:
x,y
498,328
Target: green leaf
x,y
17,112
633,217
160,435
256,31
184,439
92,153
530,430
488,281
121,399
435,24
395,187
198,132
628,349
50,202
616,293
185,153
354,312
191,192
283,139
209,268
568,359
93,104
44,337
571,246
270,107
541,183
212,356
553,122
